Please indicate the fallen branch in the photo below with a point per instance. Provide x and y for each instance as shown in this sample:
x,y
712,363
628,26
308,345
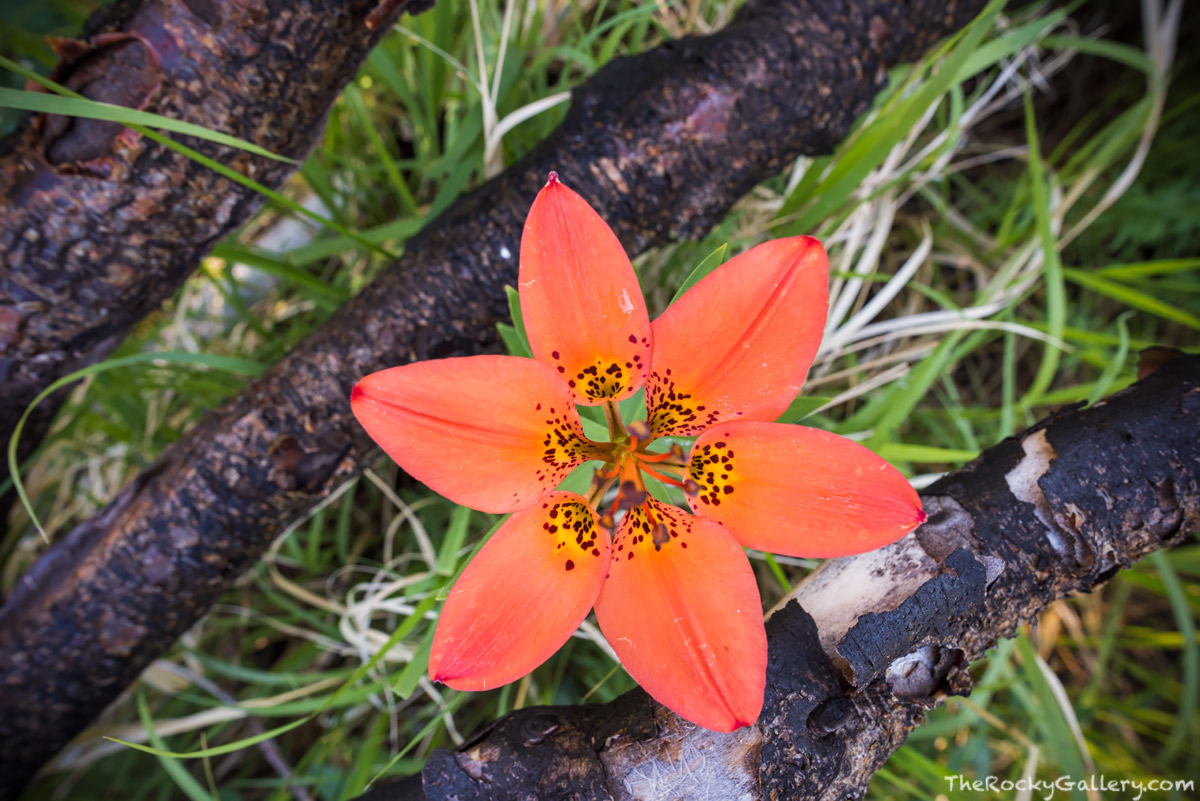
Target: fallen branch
x,y
866,645
98,226
661,144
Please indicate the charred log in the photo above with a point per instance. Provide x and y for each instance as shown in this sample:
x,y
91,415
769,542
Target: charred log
x,y
99,226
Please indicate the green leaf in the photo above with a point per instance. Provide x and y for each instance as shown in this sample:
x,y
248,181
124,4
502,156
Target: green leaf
x,y
518,321
456,534
711,262
801,408
512,341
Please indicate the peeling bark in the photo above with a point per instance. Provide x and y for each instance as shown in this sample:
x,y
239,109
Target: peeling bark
x,y
99,226
661,144
863,647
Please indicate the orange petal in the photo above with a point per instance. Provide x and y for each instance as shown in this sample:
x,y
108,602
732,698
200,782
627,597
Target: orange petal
x,y
682,611
495,433
583,308
518,601
800,491
738,344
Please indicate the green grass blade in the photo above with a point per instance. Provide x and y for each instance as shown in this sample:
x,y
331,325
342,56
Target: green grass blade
x,y
354,99
83,107
1101,387
274,265
417,667
215,166
1056,296
454,703
870,145
1049,715
892,407
185,781
1129,296
229,363
904,452
1146,269
1185,717
218,750
1003,47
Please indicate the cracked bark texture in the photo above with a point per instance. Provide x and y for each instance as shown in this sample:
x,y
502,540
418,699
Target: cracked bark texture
x,y
863,647
662,144
99,226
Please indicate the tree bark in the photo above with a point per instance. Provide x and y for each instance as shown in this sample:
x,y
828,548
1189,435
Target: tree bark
x,y
662,144
99,226
1053,511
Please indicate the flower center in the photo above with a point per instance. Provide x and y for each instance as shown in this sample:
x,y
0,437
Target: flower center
x,y
628,460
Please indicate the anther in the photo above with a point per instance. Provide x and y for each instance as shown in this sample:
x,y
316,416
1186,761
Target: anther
x,y
629,496
661,536
639,429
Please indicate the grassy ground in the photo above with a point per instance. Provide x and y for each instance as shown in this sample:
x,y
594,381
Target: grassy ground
x,y
1009,226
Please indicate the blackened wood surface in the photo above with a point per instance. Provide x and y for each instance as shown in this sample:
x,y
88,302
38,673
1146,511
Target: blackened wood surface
x,y
97,225
662,144
1117,481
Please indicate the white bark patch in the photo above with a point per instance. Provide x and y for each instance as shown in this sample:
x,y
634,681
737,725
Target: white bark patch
x,y
841,590
1023,483
685,761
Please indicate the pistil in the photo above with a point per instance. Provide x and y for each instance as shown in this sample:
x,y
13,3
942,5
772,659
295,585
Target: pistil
x,y
617,433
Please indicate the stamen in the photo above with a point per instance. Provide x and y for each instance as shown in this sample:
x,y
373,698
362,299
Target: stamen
x,y
671,457
601,484
674,482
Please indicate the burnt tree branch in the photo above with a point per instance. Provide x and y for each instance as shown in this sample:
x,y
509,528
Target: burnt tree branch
x,y
99,226
866,645
662,144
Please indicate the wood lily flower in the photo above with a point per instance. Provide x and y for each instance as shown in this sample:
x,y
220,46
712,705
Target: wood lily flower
x,y
673,592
